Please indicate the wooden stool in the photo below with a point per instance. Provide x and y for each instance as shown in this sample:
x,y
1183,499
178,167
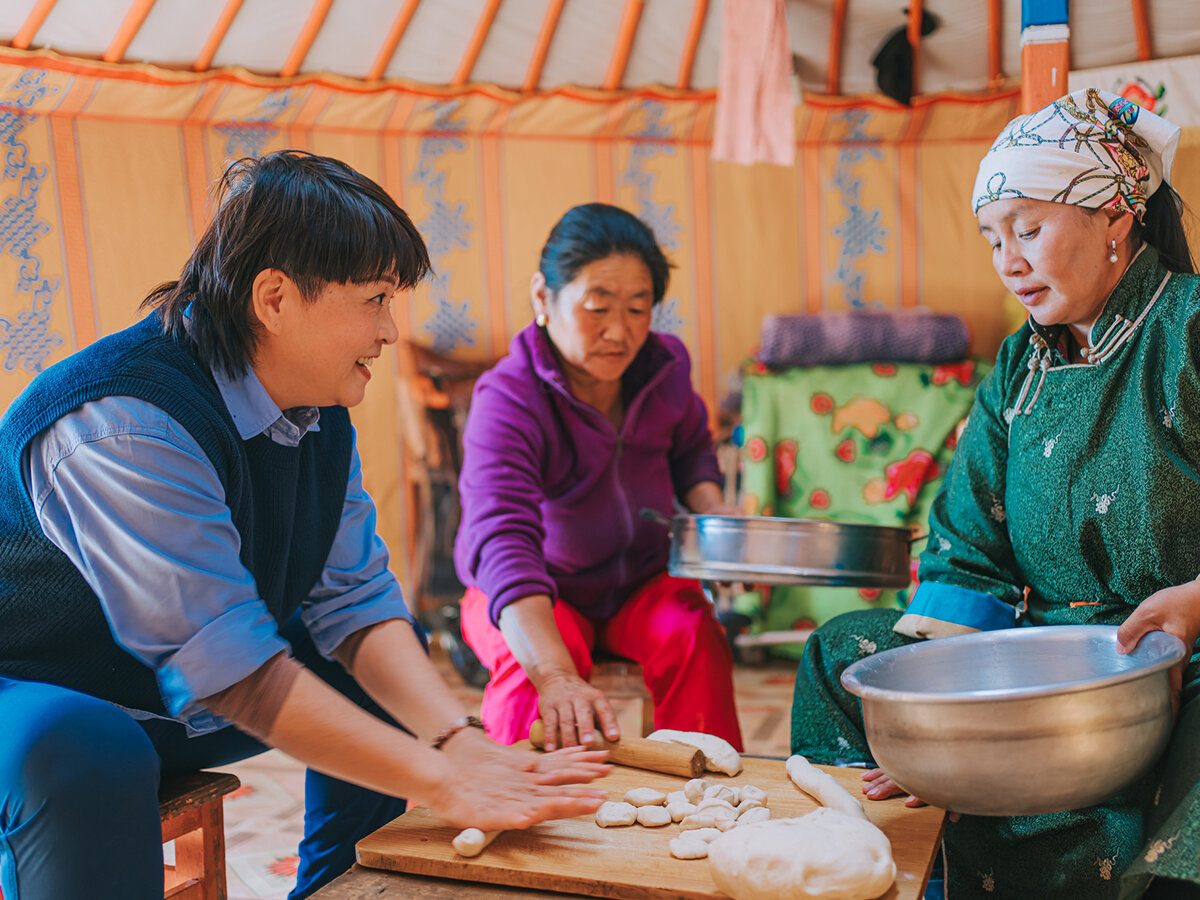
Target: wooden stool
x,y
193,816
623,683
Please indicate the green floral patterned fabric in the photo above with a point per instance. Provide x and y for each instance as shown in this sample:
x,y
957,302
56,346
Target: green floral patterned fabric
x,y
1084,488
862,443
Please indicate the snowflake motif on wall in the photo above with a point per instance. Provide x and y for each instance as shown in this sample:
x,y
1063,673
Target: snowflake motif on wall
x,y
27,341
446,229
1106,867
651,140
865,646
1048,445
860,232
1104,501
665,317
248,136
997,511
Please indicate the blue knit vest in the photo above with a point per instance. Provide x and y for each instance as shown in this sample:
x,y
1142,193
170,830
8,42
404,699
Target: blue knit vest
x,y
286,503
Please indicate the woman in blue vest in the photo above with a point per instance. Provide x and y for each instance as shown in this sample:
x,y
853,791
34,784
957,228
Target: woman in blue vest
x,y
189,569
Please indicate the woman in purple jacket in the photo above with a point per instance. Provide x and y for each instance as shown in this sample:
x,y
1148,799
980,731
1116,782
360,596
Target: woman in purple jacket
x,y
588,420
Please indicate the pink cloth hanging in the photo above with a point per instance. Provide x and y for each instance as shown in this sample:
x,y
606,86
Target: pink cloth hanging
x,y
755,118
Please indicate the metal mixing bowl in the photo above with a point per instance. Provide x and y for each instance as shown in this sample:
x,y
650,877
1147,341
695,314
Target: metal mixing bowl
x,y
1020,721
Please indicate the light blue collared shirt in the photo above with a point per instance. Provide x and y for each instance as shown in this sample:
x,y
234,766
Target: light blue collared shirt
x,y
126,493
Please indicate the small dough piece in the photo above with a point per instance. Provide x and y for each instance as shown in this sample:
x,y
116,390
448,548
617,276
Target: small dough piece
x,y
726,824
822,786
699,820
613,814
722,792
680,810
754,814
708,835
751,792
653,816
694,789
827,854
719,755
713,803
645,797
686,848
471,841
749,803
676,796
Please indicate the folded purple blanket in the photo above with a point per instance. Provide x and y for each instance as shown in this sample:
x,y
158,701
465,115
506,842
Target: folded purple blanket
x,y
839,338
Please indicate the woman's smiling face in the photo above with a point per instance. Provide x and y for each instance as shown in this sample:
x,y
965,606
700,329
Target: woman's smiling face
x,y
1054,257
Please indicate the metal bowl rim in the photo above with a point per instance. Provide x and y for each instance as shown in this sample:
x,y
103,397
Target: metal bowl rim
x,y
1176,652
764,522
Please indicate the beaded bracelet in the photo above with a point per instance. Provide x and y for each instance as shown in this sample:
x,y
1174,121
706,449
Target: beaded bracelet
x,y
454,728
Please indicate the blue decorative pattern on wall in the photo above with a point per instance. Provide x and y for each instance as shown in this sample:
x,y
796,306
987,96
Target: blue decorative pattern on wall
x,y
651,140
28,341
860,232
445,229
248,136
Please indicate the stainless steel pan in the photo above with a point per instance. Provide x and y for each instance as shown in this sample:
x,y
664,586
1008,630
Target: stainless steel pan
x,y
765,550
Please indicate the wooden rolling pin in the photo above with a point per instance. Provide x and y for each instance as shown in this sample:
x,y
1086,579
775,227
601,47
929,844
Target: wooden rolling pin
x,y
639,753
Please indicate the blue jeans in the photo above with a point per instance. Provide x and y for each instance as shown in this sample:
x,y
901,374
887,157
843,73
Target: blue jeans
x,y
79,792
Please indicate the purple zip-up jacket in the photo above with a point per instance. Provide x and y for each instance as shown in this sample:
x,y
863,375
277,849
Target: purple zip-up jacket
x,y
551,491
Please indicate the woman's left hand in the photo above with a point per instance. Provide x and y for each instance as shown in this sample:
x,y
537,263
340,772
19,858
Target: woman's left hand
x,y
1175,610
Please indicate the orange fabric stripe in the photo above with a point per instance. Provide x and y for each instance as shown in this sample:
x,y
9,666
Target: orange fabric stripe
x,y
625,34
914,39
910,234
384,58
699,13
995,75
700,168
494,242
76,261
128,30
812,218
833,71
29,28
299,131
304,41
463,73
605,153
540,49
195,158
1141,27
209,50
394,167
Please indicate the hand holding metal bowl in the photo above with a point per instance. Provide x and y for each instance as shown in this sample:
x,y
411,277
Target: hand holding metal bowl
x,y
1021,721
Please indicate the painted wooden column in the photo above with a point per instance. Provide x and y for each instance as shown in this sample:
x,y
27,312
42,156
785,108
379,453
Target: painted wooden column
x,y
1045,39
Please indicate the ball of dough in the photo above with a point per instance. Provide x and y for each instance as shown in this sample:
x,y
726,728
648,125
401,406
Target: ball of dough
x,y
653,816
680,810
645,797
722,792
612,814
754,814
694,789
699,820
677,797
685,848
825,855
752,792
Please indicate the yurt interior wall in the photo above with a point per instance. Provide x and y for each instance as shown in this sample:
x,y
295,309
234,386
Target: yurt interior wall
x,y
487,120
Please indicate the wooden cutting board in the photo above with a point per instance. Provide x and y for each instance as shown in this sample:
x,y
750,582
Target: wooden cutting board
x,y
635,863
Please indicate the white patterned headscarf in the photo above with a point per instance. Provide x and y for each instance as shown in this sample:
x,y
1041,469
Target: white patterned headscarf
x,y
1090,148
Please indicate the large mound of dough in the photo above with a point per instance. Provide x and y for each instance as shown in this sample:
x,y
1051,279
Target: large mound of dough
x,y
825,855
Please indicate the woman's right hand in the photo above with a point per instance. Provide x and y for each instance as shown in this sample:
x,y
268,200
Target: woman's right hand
x,y
879,786
571,709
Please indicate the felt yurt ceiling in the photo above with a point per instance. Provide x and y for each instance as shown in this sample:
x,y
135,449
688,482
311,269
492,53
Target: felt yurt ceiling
x,y
539,44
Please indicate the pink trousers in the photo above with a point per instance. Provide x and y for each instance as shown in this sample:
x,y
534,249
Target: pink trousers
x,y
668,626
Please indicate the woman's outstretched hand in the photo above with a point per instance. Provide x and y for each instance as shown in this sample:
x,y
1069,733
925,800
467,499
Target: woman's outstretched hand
x,y
1175,610
571,711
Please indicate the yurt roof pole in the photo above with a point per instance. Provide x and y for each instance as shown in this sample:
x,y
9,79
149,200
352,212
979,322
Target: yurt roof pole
x,y
1141,27
209,50
29,28
699,12
625,34
463,73
1045,59
915,15
833,70
128,30
995,75
384,57
533,75
308,34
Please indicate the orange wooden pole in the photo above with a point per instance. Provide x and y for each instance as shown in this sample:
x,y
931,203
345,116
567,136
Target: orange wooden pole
x,y
995,75
463,74
533,75
29,28
1141,27
1044,69
304,41
209,50
914,40
128,30
833,71
625,34
683,80
384,57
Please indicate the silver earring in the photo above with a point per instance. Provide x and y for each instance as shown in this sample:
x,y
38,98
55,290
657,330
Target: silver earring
x,y
540,319
1112,257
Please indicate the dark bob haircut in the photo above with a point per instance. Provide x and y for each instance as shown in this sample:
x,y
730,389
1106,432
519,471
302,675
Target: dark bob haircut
x,y
595,231
313,218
